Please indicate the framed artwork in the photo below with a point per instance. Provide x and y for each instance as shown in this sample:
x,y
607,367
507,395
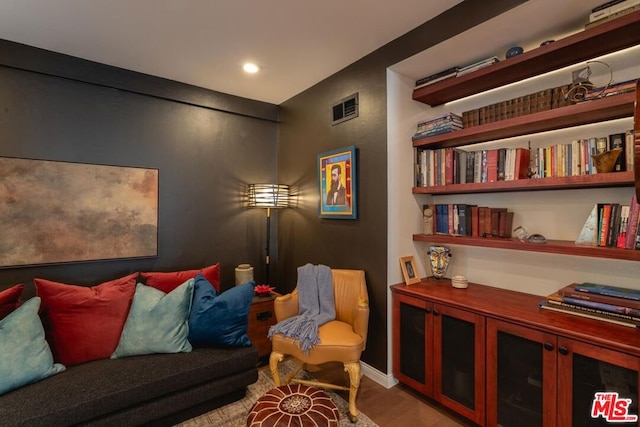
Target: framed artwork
x,y
58,212
409,270
337,179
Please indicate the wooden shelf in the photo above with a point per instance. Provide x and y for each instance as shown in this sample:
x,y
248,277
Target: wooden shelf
x,y
609,108
614,179
609,37
563,247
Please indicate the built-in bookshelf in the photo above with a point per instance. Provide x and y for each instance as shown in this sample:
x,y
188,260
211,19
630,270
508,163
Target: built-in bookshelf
x,y
609,37
564,247
606,38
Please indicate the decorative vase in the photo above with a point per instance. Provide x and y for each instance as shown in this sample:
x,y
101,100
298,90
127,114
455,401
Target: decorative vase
x,y
439,260
244,274
604,162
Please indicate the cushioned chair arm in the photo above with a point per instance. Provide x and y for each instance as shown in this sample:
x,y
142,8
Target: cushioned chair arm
x,y
361,320
286,306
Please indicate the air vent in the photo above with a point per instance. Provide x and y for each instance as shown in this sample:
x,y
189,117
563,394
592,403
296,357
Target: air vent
x,y
345,109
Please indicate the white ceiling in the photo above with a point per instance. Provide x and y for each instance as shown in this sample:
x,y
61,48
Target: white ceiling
x,y
297,43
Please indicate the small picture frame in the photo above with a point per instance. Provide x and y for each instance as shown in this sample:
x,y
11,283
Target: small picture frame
x,y
409,270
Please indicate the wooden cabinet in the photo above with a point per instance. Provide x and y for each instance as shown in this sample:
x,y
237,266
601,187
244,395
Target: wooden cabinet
x,y
602,39
438,350
261,318
539,368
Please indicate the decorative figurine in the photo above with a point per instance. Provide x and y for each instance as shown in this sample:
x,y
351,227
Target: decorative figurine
x,y
439,260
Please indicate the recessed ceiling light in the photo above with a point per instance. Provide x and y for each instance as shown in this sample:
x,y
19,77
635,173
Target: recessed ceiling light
x,y
250,68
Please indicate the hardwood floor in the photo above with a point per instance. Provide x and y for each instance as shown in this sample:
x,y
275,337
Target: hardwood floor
x,y
398,406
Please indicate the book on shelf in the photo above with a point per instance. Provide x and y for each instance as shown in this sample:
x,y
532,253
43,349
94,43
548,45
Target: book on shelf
x,y
625,312
632,223
440,75
606,5
613,9
609,290
570,291
477,65
586,312
611,90
618,140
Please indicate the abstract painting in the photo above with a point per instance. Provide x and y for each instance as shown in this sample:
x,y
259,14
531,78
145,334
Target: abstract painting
x,y
57,212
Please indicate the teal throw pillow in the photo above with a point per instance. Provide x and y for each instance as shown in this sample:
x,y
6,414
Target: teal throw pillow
x,y
157,322
220,319
26,356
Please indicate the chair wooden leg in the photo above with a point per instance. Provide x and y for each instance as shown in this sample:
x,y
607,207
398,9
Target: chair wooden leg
x,y
274,359
353,368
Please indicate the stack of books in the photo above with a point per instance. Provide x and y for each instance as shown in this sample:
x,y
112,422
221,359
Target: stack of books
x,y
611,10
436,77
613,89
446,123
601,302
478,65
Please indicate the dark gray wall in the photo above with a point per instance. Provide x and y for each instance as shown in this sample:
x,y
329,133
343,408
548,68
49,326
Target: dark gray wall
x,y
305,131
206,145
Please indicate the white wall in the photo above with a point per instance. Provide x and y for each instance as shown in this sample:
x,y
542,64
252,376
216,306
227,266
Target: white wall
x,y
555,214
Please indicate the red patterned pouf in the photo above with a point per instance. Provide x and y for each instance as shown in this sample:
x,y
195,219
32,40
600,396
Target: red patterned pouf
x,y
294,405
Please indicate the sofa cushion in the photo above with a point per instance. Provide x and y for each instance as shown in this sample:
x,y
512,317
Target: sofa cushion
x,y
84,323
9,300
167,282
220,319
26,357
157,322
104,388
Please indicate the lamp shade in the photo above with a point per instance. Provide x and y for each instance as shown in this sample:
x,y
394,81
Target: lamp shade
x,y
268,195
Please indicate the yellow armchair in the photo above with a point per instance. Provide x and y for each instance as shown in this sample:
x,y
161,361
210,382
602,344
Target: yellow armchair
x,y
341,340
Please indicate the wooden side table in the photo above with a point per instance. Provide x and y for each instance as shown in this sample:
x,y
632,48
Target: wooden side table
x,y
261,318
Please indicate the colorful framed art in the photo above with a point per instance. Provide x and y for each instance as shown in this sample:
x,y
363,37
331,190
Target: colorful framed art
x,y
337,179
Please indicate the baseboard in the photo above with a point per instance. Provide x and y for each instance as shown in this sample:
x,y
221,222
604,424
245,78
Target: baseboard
x,y
385,380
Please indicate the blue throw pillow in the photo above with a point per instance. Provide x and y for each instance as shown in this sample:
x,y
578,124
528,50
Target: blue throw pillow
x,y
157,322
26,356
220,319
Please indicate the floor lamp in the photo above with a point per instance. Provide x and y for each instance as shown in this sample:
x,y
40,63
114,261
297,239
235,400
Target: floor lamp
x,y
268,196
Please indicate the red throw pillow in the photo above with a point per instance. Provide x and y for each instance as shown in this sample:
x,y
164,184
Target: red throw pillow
x,y
166,282
9,300
84,323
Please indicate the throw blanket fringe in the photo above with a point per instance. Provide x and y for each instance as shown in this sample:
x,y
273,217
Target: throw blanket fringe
x,y
316,306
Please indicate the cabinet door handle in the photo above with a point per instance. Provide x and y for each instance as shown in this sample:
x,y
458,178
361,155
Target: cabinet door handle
x,y
548,346
563,351
428,310
265,315
436,313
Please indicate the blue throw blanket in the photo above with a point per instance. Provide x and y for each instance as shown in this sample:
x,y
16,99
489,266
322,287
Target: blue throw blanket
x,y
316,306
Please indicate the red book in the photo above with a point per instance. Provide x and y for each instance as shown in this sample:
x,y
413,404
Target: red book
x,y
632,224
492,165
603,229
448,166
521,163
475,221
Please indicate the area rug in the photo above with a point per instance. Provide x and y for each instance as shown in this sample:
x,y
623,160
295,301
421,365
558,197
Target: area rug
x,y
235,414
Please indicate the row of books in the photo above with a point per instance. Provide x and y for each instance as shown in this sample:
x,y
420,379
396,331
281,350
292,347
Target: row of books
x,y
611,10
456,71
611,90
545,99
434,126
467,220
445,166
601,302
614,225
574,158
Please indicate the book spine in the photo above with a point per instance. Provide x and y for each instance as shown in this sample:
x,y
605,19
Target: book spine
x,y
632,225
610,308
611,291
571,292
577,312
